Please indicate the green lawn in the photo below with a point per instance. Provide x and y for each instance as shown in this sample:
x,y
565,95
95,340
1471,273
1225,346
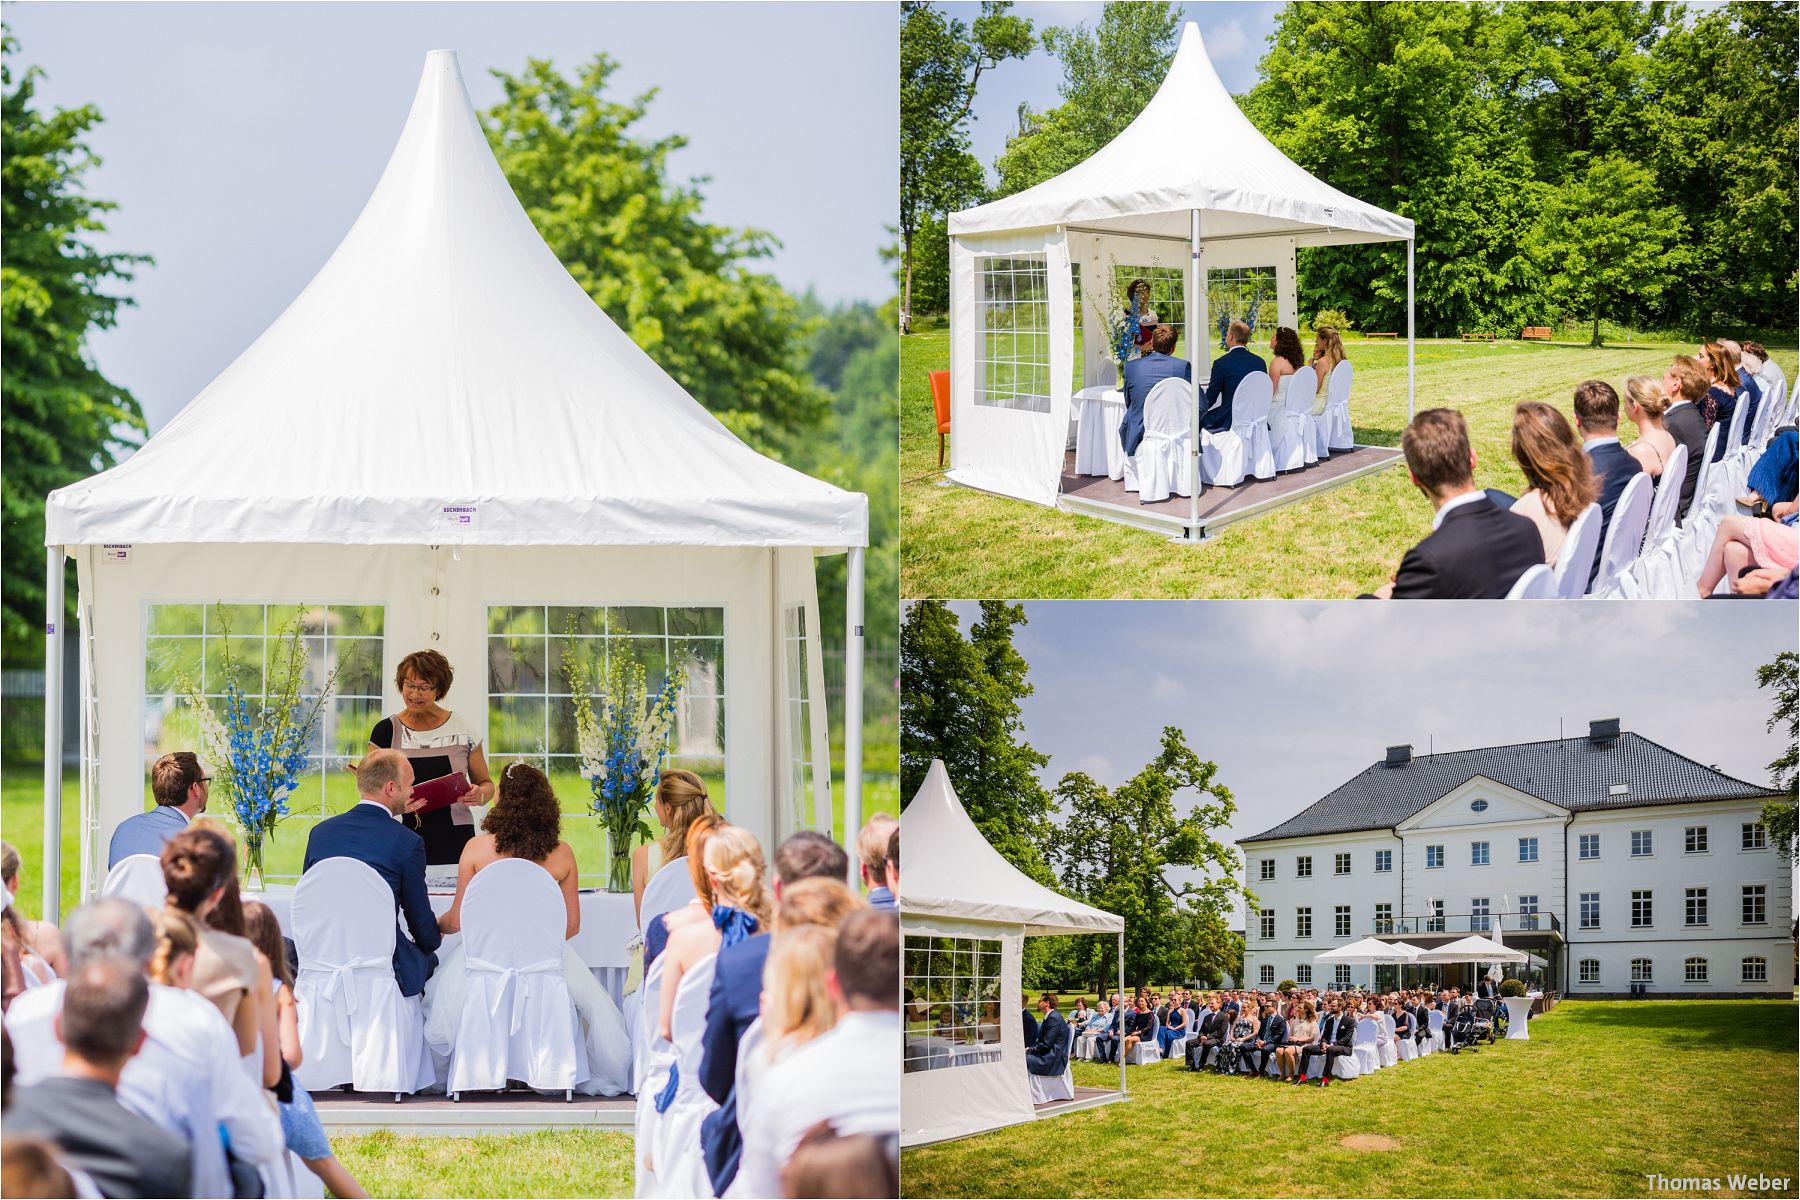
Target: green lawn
x,y
1603,1093
549,1163
956,542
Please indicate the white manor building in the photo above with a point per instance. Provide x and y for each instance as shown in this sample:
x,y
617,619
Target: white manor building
x,y
1621,866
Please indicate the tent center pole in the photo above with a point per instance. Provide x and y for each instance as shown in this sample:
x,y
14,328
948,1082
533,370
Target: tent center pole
x,y
1122,1088
1409,331
853,701
1196,281
53,733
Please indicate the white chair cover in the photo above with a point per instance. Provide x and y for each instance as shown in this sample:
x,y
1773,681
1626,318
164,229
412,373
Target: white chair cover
x,y
671,887
1178,1047
1643,577
1624,533
1770,412
1294,428
650,1059
1575,559
1146,1051
1161,462
139,879
1230,455
1435,1019
1334,423
675,1153
1696,536
1367,1046
518,1021
1405,1047
355,1026
1740,415
1537,583
1390,1050
1046,1088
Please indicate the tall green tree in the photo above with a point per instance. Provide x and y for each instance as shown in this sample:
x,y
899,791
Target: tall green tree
x,y
63,419
1782,678
941,64
681,287
959,702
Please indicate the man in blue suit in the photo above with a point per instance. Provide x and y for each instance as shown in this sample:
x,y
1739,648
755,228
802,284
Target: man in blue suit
x,y
1050,1056
1271,1033
1144,373
371,832
735,1001
1228,370
180,787
1597,417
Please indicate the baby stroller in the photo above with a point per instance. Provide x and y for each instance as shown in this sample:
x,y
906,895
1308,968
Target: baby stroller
x,y
1501,1020
1463,1028
1485,1009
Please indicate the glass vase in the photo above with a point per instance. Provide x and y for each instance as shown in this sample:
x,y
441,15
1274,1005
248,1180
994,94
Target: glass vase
x,y
253,863
618,866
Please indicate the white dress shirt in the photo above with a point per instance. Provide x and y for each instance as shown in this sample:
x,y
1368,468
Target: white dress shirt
x,y
848,1076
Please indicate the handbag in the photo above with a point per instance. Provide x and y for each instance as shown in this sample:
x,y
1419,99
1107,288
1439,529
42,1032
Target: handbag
x,y
634,971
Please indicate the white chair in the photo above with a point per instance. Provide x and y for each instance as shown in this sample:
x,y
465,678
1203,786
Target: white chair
x,y
1161,463
1146,1051
1702,521
1334,424
1178,1047
1435,1019
139,879
1390,1049
1642,578
1770,412
1367,1046
1624,533
518,1021
1405,1047
1047,1088
650,1059
355,1026
1575,558
1537,583
1231,455
675,1151
671,887
1740,415
1294,428
1346,1066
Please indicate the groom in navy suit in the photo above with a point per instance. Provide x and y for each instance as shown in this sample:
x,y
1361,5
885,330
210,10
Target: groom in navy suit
x,y
371,832
1228,370
1050,1056
1142,374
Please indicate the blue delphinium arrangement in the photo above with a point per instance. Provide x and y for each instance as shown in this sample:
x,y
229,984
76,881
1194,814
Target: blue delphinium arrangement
x,y
622,746
256,757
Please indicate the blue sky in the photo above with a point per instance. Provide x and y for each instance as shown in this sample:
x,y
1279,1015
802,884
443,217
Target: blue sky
x,y
241,139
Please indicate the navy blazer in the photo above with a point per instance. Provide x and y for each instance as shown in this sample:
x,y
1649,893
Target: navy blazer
x,y
1142,374
1050,1056
1228,370
369,834
1030,1027
144,833
1477,553
1274,1031
1688,428
733,1004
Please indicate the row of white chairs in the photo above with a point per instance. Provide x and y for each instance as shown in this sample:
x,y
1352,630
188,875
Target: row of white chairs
x,y
1262,441
1376,1045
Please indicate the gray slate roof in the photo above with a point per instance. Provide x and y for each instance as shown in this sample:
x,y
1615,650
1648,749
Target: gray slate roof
x,y
1574,773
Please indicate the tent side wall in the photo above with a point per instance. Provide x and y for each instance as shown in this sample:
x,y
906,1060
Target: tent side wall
x,y
438,598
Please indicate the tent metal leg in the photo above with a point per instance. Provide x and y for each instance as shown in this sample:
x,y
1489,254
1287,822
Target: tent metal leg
x,y
1196,349
1409,331
1122,1088
53,732
853,701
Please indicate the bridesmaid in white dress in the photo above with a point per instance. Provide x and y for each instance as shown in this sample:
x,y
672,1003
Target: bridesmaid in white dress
x,y
526,822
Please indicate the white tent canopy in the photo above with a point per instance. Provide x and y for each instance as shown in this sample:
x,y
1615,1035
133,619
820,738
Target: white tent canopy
x,y
1473,948
1192,179
1368,952
441,424
958,886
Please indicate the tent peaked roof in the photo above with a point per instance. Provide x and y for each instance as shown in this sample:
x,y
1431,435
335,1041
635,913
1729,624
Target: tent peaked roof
x,y
952,872
444,358
1191,148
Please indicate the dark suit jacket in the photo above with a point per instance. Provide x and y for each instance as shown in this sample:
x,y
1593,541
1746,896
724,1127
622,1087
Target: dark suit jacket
x,y
1030,1027
1274,1030
126,1155
1613,467
1142,374
1228,370
1478,553
731,1007
1342,1034
1688,428
368,834
1050,1054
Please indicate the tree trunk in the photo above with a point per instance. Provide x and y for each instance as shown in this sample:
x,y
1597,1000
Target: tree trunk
x,y
906,290
1596,338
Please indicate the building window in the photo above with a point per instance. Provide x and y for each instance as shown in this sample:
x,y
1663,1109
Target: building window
x,y
1303,866
1640,910
1340,864
1266,868
1640,970
1341,976
1266,974
1528,912
1642,843
1384,861
1013,370
1694,970
1756,836
1341,920
1435,923
1589,845
1478,805
1434,856
1696,839
1528,849
1756,970
1590,970
1384,918
1478,854
1696,906
1303,974
1478,915
953,989
1303,922
1590,910
1755,904
1266,919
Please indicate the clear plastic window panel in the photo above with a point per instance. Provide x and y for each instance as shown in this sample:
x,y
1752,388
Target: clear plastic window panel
x,y
1013,368
799,714
1247,294
951,1000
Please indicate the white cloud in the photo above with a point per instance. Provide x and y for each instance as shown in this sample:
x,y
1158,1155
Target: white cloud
x,y
1168,689
1226,41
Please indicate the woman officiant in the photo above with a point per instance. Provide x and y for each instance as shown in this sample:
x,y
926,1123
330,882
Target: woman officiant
x,y
438,743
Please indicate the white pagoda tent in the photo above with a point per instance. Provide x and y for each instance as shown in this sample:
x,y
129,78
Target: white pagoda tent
x,y
441,424
960,900
1189,184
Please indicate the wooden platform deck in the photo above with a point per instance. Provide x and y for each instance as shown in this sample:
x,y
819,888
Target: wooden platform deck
x,y
475,1113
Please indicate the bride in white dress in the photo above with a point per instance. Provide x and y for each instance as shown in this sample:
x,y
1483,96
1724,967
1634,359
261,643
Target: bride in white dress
x,y
526,822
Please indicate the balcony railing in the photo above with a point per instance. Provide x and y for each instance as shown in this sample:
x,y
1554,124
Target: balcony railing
x,y
1483,923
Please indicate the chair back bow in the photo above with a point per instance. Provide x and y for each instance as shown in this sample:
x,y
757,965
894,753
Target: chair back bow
x,y
508,989
341,978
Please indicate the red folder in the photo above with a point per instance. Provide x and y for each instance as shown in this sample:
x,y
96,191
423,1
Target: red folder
x,y
441,792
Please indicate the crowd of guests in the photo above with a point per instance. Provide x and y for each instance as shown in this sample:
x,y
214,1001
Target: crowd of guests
x,y
1483,540
151,1052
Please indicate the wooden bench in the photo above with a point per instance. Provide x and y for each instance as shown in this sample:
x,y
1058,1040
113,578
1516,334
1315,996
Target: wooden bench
x,y
1537,332
1375,335
1478,337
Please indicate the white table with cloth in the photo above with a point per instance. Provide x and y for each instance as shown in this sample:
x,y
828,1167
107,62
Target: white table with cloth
x,y
1098,412
608,923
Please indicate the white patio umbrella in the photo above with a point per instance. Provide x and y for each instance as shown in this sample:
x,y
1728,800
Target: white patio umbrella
x,y
1473,948
1368,952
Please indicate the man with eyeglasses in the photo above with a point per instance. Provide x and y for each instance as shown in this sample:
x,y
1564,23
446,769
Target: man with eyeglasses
x,y
180,786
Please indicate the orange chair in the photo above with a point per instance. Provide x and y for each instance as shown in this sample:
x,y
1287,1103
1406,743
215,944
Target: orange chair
x,y
940,400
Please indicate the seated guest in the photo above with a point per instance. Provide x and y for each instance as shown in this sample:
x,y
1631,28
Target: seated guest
x,y
1106,1043
1144,373
1685,384
680,800
1767,373
102,1027
1597,419
180,787
1476,550
871,851
1174,1027
1720,402
1745,543
1562,484
1208,1033
1272,1033
200,871
893,865
1078,1019
1337,1033
1645,403
1137,1025
40,944
1237,1040
827,1164
1301,1031
1775,479
1050,1054
1749,387
1328,352
1284,360
1228,370
1030,1022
